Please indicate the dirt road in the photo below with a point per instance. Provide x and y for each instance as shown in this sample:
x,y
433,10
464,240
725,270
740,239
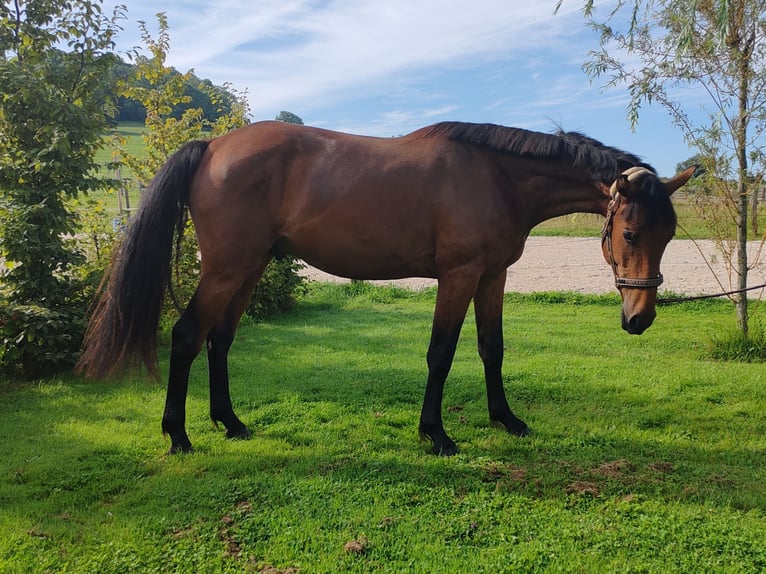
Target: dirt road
x,y
576,264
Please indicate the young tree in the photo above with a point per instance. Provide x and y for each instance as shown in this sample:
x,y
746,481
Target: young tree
x,y
54,57
718,48
160,89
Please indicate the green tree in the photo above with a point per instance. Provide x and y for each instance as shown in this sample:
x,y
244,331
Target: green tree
x,y
289,118
159,89
213,100
698,160
660,48
54,57
162,91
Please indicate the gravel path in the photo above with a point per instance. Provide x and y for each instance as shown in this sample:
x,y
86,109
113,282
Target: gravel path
x,y
576,264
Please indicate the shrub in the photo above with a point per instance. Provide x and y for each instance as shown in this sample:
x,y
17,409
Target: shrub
x,y
277,290
36,341
43,337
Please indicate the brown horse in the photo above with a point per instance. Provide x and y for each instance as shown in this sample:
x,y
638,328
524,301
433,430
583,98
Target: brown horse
x,y
453,201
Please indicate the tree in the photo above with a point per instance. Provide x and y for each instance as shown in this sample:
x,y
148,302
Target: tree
x,y
718,48
289,118
202,93
163,92
53,112
698,160
170,122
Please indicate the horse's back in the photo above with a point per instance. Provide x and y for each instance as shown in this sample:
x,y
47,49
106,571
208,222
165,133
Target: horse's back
x,y
356,206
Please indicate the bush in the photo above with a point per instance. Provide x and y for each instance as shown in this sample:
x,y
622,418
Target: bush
x,y
277,290
43,301
41,338
36,341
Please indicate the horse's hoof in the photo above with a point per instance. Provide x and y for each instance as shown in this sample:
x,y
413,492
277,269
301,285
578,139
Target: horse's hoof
x,y
525,431
445,450
443,447
239,434
180,449
515,426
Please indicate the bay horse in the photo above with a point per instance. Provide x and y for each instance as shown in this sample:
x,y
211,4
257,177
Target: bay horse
x,y
452,201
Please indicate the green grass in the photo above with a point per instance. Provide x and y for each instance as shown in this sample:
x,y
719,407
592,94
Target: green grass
x,y
134,144
644,458
132,132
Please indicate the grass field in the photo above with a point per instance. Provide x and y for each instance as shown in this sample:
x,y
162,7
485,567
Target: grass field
x,y
131,134
645,457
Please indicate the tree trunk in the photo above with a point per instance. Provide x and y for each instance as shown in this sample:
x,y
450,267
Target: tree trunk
x,y
742,49
754,209
741,300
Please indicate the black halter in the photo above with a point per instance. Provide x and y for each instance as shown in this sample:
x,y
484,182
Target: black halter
x,y
606,235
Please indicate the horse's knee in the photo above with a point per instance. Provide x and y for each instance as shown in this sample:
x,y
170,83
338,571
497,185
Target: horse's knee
x,y
438,367
490,343
441,351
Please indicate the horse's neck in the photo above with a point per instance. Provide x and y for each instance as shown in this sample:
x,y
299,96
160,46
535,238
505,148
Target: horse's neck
x,y
552,197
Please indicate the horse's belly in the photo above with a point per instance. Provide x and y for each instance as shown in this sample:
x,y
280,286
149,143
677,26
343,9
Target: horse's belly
x,y
360,260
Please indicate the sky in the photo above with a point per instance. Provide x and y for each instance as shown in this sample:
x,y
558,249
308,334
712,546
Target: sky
x,y
387,67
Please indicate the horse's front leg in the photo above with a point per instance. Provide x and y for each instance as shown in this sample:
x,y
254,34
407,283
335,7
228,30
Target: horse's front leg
x,y
488,306
453,296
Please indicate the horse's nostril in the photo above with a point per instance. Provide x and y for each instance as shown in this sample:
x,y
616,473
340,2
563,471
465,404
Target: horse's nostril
x,y
637,323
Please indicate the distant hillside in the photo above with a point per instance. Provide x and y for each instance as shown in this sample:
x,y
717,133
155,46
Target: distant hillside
x,y
197,89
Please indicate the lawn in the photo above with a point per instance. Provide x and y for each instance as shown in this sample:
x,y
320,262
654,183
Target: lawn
x,y
645,456
131,134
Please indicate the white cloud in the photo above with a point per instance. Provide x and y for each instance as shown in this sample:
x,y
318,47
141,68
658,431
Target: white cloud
x,y
306,54
387,67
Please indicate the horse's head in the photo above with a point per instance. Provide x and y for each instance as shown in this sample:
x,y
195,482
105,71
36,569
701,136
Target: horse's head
x,y
640,221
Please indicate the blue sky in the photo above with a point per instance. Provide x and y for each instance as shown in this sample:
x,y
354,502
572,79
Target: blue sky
x,y
387,67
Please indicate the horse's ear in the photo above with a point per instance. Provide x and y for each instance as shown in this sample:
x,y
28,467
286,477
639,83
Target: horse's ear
x,y
631,180
679,180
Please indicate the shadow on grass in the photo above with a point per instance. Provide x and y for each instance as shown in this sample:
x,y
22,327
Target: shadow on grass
x,y
333,397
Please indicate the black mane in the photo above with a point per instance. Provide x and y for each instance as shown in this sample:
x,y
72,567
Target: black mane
x,y
601,162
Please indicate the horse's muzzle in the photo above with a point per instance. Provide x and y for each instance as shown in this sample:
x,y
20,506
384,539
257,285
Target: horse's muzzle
x,y
637,323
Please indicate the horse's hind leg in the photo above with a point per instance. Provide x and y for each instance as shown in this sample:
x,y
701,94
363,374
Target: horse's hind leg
x,y
182,353
488,306
218,343
206,309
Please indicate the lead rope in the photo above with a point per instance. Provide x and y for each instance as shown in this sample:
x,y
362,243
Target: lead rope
x,y
671,300
685,299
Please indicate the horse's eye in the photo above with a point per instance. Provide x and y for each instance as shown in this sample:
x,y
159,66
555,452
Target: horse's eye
x,y
629,236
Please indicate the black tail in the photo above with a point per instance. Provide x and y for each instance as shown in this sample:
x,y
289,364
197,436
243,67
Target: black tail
x,y
122,332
